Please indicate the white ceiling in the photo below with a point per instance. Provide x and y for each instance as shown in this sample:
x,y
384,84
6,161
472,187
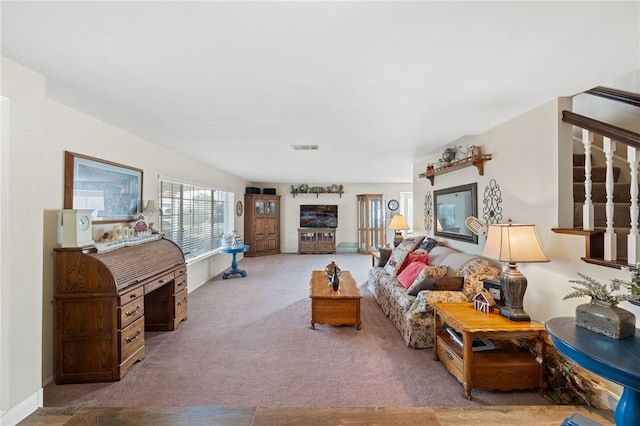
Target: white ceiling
x,y
376,85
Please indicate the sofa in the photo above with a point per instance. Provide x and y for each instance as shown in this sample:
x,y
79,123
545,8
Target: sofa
x,y
446,275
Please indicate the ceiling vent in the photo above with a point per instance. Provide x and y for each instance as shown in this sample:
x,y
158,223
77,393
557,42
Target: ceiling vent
x,y
305,147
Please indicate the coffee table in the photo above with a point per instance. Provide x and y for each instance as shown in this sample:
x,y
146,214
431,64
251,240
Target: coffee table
x,y
340,307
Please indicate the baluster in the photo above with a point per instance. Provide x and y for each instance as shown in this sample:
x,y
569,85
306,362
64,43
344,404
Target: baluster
x,y
588,222
610,240
633,239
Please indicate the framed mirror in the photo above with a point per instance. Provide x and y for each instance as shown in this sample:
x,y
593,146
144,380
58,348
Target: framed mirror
x,y
452,206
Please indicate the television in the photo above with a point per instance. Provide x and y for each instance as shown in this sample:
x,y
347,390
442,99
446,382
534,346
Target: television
x,y
318,216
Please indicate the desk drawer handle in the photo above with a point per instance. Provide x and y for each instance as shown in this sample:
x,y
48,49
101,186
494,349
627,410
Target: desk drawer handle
x,y
448,355
136,337
133,296
131,313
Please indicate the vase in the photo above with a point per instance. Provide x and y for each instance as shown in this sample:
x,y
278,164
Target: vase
x,y
606,318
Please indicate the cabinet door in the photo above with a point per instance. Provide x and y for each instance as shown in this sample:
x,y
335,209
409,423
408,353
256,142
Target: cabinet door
x,y
259,207
371,226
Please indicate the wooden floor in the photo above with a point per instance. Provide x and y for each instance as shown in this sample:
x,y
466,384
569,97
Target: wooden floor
x,y
423,416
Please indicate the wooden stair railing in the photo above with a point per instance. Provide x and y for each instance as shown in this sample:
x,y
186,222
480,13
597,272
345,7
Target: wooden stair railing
x,y
598,241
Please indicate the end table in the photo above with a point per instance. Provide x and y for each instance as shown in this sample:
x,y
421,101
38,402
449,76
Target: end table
x,y
234,264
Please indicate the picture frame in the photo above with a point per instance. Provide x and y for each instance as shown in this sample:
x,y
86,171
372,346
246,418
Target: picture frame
x,y
113,191
452,206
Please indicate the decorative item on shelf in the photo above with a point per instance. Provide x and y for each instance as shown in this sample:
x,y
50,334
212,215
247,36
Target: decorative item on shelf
x,y
484,301
603,315
513,243
398,224
448,155
303,188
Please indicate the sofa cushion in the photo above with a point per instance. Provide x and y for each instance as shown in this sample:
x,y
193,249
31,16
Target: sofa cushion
x,y
400,253
385,254
409,274
428,244
439,253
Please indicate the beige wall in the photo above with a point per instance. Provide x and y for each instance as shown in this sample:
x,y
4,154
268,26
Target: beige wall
x,y
40,132
347,208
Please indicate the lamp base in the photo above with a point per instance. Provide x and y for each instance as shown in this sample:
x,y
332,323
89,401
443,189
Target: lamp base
x,y
514,285
397,239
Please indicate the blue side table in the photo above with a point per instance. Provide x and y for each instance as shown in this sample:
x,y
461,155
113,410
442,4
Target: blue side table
x,y
616,360
234,264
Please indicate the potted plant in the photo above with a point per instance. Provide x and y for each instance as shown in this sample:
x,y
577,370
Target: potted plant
x,y
603,315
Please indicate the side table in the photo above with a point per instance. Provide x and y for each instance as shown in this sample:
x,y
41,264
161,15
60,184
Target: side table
x,y
506,367
616,360
234,264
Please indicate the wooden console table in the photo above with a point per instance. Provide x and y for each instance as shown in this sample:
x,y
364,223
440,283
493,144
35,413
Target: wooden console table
x,y
616,360
506,367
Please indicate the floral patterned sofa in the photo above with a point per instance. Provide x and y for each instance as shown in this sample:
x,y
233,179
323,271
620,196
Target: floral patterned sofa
x,y
413,315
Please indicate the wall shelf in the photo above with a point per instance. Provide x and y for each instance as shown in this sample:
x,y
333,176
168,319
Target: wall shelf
x,y
333,189
475,160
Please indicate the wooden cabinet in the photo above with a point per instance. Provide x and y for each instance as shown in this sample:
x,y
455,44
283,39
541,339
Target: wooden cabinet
x,y
371,225
316,240
106,301
506,367
262,224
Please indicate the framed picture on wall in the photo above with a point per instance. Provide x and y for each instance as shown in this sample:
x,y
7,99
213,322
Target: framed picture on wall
x,y
113,191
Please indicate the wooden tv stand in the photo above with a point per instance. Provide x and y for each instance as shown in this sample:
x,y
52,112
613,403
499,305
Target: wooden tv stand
x,y
316,240
506,367
106,301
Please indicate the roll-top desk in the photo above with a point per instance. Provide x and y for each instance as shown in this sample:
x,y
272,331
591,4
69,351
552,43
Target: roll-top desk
x,y
106,301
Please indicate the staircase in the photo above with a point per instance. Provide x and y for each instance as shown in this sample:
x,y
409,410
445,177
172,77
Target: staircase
x,y
621,202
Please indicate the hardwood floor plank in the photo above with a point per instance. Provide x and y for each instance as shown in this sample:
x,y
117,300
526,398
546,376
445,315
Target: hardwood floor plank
x,y
51,416
410,416
529,415
166,416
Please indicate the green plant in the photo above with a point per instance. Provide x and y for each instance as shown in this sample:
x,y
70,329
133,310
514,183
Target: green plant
x,y
589,287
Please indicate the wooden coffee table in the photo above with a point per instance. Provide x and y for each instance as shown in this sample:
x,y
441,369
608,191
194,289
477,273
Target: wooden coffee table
x,y
340,307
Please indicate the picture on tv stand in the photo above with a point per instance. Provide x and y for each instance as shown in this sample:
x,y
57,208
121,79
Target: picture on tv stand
x,y
318,216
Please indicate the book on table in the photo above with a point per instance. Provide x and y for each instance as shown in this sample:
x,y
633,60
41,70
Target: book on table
x,y
477,345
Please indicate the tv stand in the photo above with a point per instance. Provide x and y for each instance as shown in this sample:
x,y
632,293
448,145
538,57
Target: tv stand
x,y
316,240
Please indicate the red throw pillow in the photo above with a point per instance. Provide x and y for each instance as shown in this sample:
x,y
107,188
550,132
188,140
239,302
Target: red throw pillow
x,y
414,257
409,274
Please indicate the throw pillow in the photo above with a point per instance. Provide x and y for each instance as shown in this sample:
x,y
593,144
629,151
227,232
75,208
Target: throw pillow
x,y
427,272
384,256
409,274
436,284
428,244
400,253
422,257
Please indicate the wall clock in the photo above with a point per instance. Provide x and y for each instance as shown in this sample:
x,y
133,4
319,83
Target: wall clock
x,y
76,228
239,208
393,205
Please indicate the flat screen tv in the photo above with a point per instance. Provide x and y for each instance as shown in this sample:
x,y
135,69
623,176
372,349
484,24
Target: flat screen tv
x,y
318,216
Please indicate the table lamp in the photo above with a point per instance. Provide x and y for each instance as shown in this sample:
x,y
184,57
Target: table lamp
x,y
398,224
513,244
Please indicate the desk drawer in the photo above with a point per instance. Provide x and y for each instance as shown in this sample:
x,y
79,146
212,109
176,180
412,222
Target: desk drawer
x,y
131,339
131,312
450,358
180,282
158,282
181,306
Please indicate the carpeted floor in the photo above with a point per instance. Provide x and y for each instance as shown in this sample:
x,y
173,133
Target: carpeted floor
x,y
247,342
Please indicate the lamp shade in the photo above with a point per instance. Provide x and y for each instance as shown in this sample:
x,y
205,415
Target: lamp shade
x,y
151,207
514,243
398,223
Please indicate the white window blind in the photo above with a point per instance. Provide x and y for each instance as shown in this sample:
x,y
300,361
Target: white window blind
x,y
194,217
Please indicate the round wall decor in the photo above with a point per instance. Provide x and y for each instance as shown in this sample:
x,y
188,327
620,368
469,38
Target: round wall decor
x,y
239,208
393,205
